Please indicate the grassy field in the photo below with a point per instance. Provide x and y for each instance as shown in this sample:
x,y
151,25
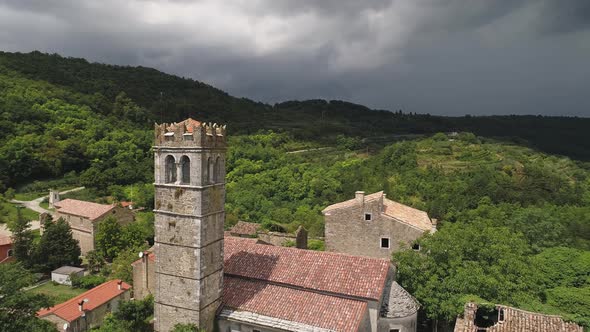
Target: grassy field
x,y
58,293
9,212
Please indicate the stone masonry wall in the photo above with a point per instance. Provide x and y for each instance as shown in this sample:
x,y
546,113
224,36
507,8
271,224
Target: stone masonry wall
x,y
347,232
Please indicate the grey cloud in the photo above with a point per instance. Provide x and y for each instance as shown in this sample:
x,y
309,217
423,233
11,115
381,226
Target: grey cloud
x,y
440,57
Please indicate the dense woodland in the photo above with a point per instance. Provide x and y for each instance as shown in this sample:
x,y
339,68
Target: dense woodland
x,y
512,193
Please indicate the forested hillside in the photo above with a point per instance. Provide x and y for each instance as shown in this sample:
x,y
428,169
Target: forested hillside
x,y
512,193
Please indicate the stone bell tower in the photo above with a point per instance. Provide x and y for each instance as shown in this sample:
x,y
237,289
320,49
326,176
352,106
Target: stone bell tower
x,y
189,215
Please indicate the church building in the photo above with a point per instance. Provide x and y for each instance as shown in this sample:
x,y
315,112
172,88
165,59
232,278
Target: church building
x,y
231,284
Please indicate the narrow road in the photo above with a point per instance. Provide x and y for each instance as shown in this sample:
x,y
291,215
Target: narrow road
x,y
33,205
314,149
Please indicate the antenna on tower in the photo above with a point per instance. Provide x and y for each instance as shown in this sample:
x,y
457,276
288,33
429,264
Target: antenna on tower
x,y
161,108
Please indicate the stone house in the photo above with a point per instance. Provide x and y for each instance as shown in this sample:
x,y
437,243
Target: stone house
x,y
84,217
373,225
508,319
204,278
88,309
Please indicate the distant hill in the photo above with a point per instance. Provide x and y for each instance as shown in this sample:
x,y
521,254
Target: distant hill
x,y
61,114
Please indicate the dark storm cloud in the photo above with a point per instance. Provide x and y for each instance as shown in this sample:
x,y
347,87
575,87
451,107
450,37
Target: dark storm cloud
x,y
435,56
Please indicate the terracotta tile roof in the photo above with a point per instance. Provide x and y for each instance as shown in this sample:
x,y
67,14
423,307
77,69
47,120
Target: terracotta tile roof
x,y
399,211
84,209
356,276
407,214
516,320
97,296
188,123
5,240
296,305
245,228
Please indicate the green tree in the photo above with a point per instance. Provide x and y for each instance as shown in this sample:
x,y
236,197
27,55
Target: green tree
x,y
109,238
121,267
23,240
19,308
136,313
57,247
95,261
187,328
462,260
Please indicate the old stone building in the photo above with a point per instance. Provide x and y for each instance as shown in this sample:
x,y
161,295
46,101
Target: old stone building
x,y
189,217
372,225
508,319
84,217
238,284
254,230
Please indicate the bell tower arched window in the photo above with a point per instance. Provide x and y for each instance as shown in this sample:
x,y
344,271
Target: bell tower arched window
x,y
217,173
206,171
170,169
185,166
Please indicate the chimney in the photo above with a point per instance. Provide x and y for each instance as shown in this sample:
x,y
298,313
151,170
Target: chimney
x,y
360,196
301,238
81,305
119,284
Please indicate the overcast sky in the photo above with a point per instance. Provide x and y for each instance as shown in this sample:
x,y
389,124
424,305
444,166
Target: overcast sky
x,y
428,56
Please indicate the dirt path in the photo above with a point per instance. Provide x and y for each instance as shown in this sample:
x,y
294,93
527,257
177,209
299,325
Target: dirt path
x,y
33,205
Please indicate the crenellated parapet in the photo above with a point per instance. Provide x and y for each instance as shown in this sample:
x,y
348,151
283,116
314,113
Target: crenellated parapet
x,y
190,133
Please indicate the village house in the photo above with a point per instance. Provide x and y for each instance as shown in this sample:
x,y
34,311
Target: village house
x,y
88,309
386,226
508,319
6,249
204,278
84,217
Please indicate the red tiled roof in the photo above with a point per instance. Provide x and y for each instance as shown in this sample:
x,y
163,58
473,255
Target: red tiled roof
x,y
516,320
188,123
84,209
320,310
245,228
97,296
322,271
5,240
125,204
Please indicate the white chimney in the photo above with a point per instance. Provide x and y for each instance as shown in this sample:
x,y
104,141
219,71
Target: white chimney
x,y
360,196
119,284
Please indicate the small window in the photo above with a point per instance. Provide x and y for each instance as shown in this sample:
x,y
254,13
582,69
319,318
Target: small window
x,y
187,136
171,225
368,217
501,315
416,246
385,242
9,253
169,136
394,330
255,330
